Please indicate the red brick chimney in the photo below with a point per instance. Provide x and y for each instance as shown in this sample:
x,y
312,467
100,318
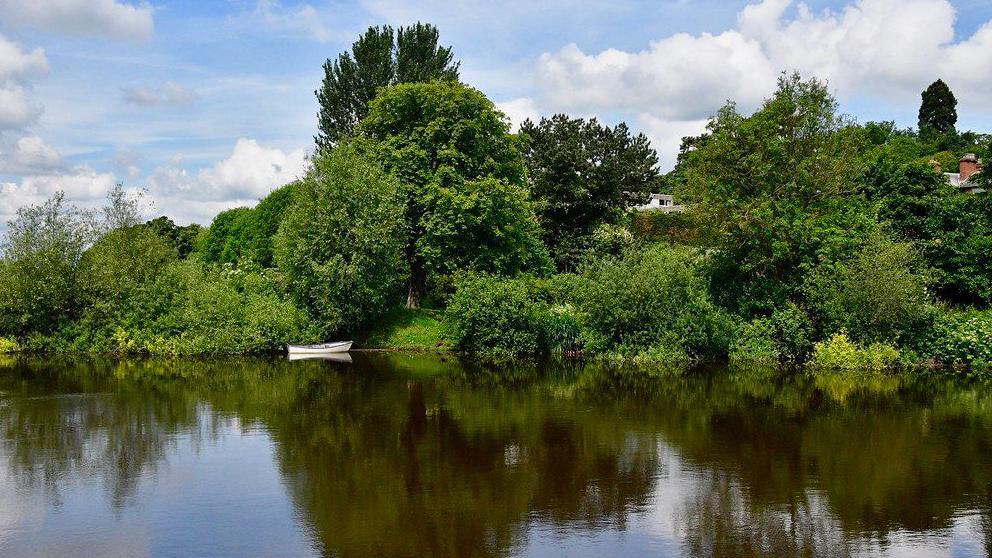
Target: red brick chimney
x,y
969,165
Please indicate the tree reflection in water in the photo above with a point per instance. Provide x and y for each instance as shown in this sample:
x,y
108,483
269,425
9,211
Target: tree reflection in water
x,y
421,455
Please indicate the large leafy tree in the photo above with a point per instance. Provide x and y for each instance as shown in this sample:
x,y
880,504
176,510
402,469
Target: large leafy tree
x,y
341,241
938,109
467,206
379,58
773,192
583,174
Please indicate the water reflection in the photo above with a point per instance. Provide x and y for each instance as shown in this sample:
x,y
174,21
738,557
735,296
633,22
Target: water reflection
x,y
418,455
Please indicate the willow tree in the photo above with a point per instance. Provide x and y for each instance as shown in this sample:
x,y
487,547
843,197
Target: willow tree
x,y
379,58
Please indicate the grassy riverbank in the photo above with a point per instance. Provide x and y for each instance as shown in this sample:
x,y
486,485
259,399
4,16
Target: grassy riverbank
x,y
420,330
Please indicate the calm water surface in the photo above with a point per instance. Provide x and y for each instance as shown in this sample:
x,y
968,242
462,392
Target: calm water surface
x,y
424,456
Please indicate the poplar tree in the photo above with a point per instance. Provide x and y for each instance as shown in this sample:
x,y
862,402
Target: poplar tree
x,y
379,58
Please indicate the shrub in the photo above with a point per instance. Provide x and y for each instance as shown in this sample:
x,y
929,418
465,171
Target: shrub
x,y
654,298
341,241
785,336
120,262
840,353
497,316
8,346
877,295
961,339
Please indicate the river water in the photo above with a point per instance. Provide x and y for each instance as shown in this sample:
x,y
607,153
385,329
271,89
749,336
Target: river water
x,y
402,455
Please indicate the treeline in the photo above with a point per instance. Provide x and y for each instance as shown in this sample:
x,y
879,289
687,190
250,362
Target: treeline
x,y
809,239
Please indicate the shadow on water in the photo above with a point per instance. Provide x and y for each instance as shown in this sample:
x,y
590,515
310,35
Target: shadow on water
x,y
412,455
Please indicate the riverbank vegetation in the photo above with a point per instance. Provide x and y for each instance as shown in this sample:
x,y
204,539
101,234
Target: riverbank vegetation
x,y
808,239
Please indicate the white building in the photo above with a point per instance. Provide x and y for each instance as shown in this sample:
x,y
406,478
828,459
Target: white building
x,y
660,202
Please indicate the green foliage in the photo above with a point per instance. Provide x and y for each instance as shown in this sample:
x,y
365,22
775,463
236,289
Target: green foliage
x,y
840,353
961,339
462,178
377,59
8,346
246,235
223,241
341,241
772,193
192,309
122,261
784,337
952,230
938,108
183,239
496,316
652,299
39,289
583,174
877,294
484,225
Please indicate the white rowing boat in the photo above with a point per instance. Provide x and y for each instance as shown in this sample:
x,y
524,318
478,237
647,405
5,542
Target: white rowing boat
x,y
321,349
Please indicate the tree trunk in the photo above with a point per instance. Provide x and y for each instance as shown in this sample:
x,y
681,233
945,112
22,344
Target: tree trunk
x,y
418,277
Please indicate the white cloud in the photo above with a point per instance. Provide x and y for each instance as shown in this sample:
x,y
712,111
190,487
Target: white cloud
x,y
304,19
29,154
82,185
16,111
169,93
15,62
881,49
102,18
17,66
248,174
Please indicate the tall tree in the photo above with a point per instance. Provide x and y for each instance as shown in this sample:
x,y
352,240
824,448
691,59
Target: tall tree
x,y
938,108
773,192
467,206
378,59
584,174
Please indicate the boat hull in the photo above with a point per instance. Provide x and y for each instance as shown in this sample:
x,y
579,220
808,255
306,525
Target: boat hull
x,y
322,349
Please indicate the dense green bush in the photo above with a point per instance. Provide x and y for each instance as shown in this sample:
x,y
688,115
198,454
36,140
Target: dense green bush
x,y
8,345
655,299
784,337
342,239
840,353
497,316
193,309
120,262
876,295
961,339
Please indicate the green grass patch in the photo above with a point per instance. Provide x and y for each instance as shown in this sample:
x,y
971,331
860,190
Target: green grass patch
x,y
408,330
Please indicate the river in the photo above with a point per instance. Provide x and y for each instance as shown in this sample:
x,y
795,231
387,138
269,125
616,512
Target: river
x,y
407,455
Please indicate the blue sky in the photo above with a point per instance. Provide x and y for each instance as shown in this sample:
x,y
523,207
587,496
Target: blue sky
x,y
209,104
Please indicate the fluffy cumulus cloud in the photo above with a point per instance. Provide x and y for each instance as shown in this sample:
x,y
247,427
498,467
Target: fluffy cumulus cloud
x,y
17,67
103,18
869,48
249,173
82,185
169,93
